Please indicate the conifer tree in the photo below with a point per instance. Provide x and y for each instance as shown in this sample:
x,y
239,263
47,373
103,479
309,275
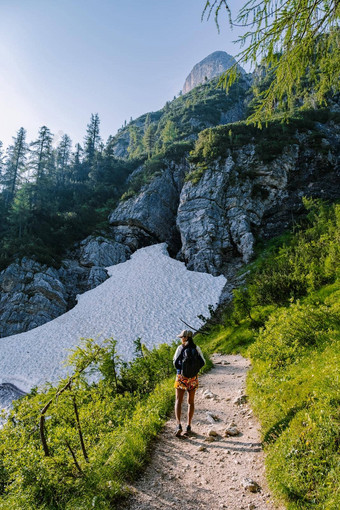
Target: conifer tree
x,y
77,173
135,144
92,144
41,155
169,132
63,160
147,122
298,41
149,136
15,166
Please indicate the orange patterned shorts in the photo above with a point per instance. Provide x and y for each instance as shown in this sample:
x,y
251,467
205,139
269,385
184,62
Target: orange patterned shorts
x,y
186,383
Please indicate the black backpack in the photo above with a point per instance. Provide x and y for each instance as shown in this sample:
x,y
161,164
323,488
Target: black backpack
x,y
191,362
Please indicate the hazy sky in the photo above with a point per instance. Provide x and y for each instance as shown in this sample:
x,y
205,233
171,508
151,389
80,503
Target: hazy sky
x,y
62,60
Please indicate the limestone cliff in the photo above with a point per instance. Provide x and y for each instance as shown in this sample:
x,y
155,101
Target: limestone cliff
x,y
211,66
240,184
214,216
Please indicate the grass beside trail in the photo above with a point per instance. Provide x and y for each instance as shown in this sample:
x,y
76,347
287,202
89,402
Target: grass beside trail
x,y
287,320
76,446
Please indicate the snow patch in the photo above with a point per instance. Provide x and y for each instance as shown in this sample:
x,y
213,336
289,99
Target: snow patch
x,y
144,297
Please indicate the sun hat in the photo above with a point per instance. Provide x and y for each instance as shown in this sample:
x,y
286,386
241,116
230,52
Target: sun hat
x,y
185,333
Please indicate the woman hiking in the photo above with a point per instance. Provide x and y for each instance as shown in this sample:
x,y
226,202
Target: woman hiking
x,y
188,360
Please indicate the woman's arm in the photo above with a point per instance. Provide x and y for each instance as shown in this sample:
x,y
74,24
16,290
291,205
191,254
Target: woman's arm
x,y
177,357
201,354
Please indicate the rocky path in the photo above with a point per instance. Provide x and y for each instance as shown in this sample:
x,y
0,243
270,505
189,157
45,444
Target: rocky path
x,y
210,469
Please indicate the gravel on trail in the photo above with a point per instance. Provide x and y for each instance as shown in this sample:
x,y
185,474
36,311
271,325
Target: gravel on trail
x,y
210,469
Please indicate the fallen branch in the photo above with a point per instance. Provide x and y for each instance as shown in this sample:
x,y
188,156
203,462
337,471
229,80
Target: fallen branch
x,y
74,457
79,429
197,331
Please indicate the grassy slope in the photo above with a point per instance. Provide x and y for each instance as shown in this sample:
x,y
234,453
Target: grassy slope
x,y
294,292
118,418
287,320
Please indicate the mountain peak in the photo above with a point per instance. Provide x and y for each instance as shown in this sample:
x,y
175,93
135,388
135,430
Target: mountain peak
x,y
213,65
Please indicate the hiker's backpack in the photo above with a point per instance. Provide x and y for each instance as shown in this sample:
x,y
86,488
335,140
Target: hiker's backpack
x,y
191,362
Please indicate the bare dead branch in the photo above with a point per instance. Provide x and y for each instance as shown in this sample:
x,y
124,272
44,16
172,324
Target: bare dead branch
x,y
74,457
197,331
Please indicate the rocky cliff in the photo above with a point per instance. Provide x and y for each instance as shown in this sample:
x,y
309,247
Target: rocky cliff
x,y
213,210
211,66
32,294
238,185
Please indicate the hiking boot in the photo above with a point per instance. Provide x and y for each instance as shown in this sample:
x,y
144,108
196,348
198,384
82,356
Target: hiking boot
x,y
188,430
178,431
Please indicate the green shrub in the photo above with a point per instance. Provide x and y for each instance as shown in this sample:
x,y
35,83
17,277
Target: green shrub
x,y
96,435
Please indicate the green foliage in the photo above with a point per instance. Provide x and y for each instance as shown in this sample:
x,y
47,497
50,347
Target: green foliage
x,y
295,389
294,346
75,445
310,260
215,144
297,42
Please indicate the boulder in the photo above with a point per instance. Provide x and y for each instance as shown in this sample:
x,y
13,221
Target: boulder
x,y
250,485
31,294
152,212
102,252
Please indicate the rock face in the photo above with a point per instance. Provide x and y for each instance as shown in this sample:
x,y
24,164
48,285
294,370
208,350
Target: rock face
x,y
243,198
31,294
150,216
216,219
210,67
102,252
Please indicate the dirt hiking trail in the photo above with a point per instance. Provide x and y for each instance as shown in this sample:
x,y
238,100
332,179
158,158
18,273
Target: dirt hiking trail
x,y
208,471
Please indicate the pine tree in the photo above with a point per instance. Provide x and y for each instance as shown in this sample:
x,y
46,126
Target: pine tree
x,y
135,144
149,140
169,133
15,166
77,168
63,160
41,155
92,144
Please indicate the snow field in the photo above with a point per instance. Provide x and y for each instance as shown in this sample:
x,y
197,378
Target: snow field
x,y
144,297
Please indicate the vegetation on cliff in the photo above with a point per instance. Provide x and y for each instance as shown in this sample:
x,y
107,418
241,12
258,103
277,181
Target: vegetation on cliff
x,y
215,144
286,318
297,42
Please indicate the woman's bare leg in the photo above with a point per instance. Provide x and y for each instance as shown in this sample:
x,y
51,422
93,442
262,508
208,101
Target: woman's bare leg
x,y
191,405
178,404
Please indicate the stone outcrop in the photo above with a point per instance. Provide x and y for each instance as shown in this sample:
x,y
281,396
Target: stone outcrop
x,y
30,295
101,251
243,198
217,217
150,216
211,66
215,221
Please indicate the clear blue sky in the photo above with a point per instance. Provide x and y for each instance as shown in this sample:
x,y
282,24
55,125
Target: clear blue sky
x,y
62,60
